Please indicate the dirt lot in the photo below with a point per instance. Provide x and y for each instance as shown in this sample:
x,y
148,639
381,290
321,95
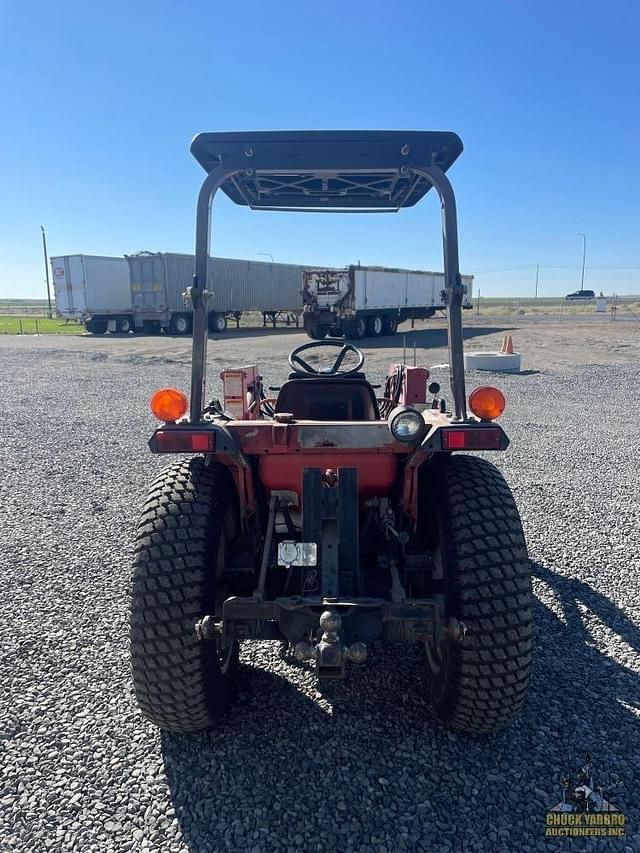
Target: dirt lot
x,y
545,344
365,767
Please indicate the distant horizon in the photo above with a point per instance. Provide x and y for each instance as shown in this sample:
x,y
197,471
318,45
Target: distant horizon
x,y
482,281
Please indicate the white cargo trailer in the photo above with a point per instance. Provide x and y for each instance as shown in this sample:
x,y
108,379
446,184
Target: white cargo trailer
x,y
94,290
359,301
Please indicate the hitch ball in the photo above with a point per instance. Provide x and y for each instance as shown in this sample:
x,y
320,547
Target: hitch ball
x,y
330,622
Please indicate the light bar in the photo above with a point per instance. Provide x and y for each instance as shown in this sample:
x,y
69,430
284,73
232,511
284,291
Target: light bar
x,y
461,438
185,441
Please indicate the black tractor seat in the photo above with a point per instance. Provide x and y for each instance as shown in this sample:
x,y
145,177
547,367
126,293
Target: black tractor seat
x,y
328,398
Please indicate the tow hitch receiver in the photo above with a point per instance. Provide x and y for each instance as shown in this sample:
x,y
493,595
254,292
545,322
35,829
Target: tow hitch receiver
x,y
331,653
331,632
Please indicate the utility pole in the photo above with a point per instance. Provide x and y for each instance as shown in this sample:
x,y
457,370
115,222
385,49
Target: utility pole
x,y
537,278
46,267
584,256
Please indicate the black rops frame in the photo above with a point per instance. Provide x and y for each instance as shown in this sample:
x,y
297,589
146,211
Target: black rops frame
x,y
336,171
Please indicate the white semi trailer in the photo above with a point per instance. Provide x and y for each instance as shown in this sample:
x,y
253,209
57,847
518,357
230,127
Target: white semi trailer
x,y
160,280
94,290
146,292
360,301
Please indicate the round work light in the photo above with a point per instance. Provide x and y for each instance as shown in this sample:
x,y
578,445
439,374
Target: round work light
x,y
487,403
168,404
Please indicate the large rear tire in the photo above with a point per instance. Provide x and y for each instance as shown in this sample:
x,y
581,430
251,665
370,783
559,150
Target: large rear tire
x,y
479,551
181,684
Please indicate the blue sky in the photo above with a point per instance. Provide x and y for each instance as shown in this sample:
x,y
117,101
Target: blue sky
x,y
99,103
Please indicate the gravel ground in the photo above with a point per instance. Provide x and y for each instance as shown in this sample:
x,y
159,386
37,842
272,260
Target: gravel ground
x,y
365,767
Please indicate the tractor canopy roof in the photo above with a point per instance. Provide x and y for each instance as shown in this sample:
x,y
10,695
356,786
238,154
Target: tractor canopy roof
x,y
357,170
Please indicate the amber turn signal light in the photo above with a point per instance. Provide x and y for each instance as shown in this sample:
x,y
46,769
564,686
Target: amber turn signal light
x,y
487,403
168,404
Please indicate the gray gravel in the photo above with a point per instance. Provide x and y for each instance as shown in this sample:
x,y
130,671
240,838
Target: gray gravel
x,y
362,767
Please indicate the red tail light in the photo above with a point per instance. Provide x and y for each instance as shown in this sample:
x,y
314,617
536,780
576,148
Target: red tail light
x,y
483,438
185,441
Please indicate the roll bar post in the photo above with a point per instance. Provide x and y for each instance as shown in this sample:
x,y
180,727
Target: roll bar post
x,y
454,288
199,292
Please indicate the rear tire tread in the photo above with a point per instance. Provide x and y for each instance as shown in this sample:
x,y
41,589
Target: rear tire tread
x,y
177,679
490,592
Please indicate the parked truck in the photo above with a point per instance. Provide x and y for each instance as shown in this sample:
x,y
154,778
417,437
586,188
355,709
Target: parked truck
x,y
360,301
93,290
159,282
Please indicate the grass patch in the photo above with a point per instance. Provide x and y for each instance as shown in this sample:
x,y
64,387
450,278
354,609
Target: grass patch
x,y
12,324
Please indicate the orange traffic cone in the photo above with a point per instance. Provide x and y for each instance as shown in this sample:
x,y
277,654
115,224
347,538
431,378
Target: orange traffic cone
x,y
507,344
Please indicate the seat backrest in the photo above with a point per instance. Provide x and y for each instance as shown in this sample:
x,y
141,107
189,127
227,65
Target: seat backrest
x,y
328,399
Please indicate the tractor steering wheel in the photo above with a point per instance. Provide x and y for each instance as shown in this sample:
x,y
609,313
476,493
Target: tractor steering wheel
x,y
299,365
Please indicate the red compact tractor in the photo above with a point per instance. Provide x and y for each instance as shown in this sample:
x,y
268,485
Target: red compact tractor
x,y
327,518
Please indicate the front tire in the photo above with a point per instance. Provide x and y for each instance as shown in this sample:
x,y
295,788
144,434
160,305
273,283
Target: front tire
x,y
480,683
181,684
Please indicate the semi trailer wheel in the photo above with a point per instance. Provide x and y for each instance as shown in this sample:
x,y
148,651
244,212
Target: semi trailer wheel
x,y
374,326
180,324
217,322
182,684
96,326
356,329
389,324
479,682
124,325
